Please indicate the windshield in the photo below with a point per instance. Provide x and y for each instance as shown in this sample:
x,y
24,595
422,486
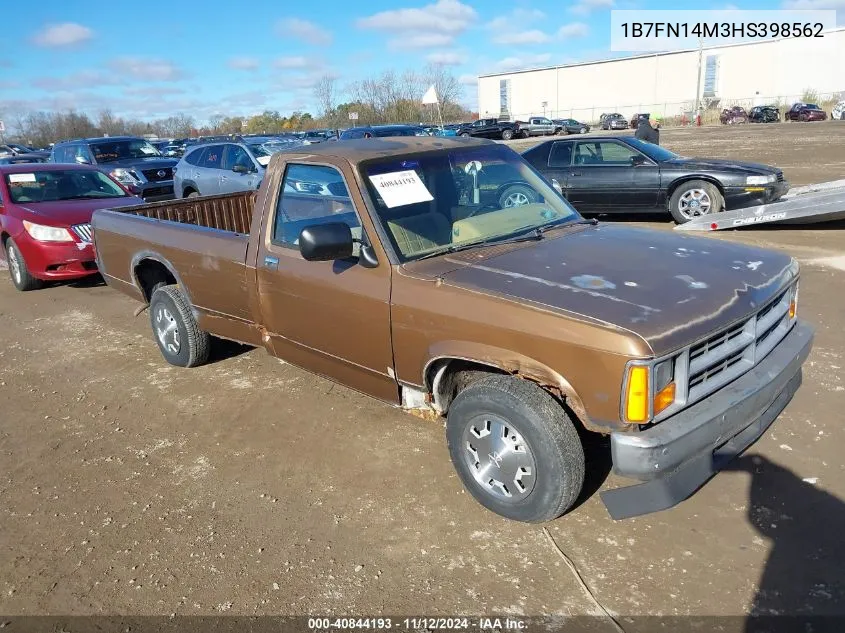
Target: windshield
x,y
812,106
54,185
433,201
654,152
111,151
396,131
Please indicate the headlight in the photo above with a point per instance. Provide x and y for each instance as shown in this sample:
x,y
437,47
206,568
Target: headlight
x,y
124,176
47,233
649,390
760,180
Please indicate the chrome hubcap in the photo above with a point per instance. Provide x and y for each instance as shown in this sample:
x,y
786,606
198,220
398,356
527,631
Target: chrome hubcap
x,y
694,203
167,330
516,200
498,458
14,264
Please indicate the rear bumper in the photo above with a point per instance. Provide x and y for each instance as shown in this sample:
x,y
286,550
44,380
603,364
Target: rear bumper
x,y
679,455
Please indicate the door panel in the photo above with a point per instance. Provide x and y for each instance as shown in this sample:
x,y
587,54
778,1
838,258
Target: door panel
x,y
208,171
232,181
332,318
560,164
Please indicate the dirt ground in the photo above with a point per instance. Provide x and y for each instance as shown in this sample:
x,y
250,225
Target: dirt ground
x,y
250,487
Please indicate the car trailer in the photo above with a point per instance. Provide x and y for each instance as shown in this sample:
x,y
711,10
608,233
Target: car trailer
x,y
810,204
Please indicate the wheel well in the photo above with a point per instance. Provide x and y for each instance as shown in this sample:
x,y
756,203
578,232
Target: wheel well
x,y
4,237
150,273
187,189
455,376
680,181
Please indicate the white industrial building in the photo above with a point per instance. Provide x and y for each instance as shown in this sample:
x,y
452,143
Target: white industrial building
x,y
747,73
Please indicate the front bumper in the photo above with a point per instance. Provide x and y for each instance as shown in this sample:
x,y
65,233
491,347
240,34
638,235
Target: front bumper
x,y
680,454
738,197
57,260
154,191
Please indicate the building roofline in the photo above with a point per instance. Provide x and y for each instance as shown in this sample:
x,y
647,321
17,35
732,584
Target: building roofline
x,y
645,55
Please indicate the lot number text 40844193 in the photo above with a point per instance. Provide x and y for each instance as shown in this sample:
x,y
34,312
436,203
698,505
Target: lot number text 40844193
x,y
418,623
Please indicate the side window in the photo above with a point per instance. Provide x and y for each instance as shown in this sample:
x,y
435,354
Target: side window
x,y
195,157
311,194
603,153
561,155
212,157
236,155
84,153
65,153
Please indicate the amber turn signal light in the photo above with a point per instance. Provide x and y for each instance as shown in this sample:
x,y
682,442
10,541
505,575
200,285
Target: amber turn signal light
x,y
636,398
793,309
664,398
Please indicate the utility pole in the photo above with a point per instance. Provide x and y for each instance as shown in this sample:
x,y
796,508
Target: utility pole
x,y
698,79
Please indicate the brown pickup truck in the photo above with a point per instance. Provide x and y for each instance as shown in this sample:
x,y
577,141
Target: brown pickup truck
x,y
414,271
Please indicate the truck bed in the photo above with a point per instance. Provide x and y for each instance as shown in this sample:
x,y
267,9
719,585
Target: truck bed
x,y
225,212
203,240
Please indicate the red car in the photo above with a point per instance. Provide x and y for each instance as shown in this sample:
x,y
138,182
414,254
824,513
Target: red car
x,y
734,115
805,112
45,219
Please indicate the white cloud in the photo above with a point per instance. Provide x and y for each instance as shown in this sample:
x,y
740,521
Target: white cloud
x,y
66,34
294,62
514,20
147,68
585,7
533,36
573,29
444,18
420,40
243,63
447,58
304,30
521,62
87,78
468,80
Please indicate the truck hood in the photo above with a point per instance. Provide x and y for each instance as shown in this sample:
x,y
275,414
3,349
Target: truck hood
x,y
718,164
69,212
671,290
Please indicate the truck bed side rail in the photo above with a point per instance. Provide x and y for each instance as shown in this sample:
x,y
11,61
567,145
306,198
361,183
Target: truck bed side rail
x,y
230,212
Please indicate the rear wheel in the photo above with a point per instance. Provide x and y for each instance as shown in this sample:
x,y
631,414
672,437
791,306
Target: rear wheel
x,y
515,449
516,196
507,135
803,117
583,130
693,199
18,270
192,194
465,134
179,338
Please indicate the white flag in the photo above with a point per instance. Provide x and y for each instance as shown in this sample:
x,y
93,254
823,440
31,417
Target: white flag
x,y
430,96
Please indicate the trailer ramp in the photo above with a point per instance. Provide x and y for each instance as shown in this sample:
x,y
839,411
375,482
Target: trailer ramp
x,y
810,204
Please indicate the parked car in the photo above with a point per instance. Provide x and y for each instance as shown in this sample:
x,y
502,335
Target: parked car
x,y
639,116
319,136
524,328
490,128
571,126
805,112
838,112
12,149
23,158
441,131
538,126
621,174
215,168
380,131
132,161
614,121
45,219
733,116
764,114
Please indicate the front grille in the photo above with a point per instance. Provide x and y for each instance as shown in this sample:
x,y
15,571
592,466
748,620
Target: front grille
x,y
83,232
726,355
152,175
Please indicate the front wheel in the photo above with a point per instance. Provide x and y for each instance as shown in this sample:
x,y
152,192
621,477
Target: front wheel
x,y
464,134
693,199
515,449
507,135
179,338
517,196
583,130
18,271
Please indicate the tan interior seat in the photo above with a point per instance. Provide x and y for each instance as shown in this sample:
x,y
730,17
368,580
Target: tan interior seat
x,y
422,232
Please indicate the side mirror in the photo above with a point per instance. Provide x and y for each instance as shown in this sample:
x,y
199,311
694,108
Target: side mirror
x,y
82,160
557,186
637,160
326,242
241,169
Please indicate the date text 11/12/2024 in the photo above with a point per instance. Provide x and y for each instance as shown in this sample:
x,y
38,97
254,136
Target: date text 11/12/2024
x,y
418,624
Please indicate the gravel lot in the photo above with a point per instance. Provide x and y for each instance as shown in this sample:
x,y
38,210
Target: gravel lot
x,y
250,487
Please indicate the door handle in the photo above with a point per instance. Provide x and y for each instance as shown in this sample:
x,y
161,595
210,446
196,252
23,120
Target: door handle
x,y
575,173
271,262
223,178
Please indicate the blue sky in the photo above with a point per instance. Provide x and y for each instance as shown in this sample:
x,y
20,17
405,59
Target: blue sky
x,y
204,57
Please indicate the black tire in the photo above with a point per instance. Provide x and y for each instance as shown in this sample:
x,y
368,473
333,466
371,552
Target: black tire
x,y
523,193
538,422
583,130
18,271
507,135
715,197
169,312
464,134
525,134
842,116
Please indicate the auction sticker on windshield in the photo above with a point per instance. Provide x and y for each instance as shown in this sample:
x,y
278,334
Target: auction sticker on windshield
x,y
21,178
400,188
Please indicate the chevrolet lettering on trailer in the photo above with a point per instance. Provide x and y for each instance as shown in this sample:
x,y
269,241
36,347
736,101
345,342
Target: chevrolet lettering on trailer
x,y
524,326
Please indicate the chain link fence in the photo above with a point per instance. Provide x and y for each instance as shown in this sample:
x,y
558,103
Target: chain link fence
x,y
682,113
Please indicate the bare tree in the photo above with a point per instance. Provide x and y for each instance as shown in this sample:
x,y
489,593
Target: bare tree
x,y
325,92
